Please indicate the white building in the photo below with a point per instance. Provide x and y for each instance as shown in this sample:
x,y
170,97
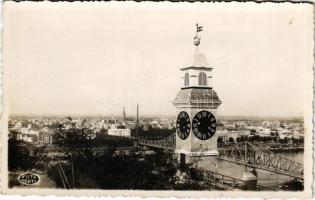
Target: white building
x,y
225,135
119,131
298,135
27,135
283,135
46,138
261,131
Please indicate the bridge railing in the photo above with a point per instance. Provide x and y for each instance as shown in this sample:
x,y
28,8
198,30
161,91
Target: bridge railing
x,y
227,182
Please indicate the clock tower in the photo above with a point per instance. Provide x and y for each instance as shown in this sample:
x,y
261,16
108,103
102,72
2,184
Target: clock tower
x,y
196,104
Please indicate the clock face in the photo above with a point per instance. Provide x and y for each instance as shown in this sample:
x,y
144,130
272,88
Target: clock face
x,y
204,125
183,125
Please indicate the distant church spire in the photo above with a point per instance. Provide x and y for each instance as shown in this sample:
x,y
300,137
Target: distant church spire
x,y
124,114
137,121
197,38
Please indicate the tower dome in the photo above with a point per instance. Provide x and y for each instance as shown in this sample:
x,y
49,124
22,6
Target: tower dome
x,y
200,60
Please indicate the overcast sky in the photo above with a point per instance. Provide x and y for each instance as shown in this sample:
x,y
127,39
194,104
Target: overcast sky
x,y
95,58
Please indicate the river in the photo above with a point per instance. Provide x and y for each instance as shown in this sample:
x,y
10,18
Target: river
x,y
265,178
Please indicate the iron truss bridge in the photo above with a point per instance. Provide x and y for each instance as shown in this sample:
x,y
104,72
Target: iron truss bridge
x,y
166,143
245,153
256,156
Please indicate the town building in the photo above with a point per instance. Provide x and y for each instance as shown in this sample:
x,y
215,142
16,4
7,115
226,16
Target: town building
x,y
46,136
119,130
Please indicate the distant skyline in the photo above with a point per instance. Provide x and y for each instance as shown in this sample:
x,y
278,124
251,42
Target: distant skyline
x,y
142,117
98,58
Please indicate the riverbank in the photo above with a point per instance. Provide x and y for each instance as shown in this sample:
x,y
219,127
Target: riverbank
x,y
292,149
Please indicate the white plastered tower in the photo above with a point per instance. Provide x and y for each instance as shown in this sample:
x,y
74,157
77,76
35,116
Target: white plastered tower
x,y
196,95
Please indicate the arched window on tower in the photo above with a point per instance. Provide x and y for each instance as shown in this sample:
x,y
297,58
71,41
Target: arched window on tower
x,y
186,79
202,79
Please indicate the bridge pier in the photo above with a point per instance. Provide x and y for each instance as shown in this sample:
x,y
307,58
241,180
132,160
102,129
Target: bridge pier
x,y
250,179
183,159
196,160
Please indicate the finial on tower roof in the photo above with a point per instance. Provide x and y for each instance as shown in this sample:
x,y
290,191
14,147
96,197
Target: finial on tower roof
x,y
197,38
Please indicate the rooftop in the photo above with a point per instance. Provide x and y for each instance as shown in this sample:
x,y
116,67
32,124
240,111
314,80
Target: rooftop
x,y
199,62
206,97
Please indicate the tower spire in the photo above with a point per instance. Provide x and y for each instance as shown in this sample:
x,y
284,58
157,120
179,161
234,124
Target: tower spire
x,y
197,38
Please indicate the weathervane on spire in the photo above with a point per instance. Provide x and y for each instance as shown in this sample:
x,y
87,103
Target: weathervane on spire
x,y
197,38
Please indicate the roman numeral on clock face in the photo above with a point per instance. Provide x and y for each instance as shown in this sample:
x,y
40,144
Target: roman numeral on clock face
x,y
183,125
204,125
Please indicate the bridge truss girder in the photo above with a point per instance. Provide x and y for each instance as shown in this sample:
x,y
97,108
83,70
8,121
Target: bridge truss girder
x,y
166,143
253,155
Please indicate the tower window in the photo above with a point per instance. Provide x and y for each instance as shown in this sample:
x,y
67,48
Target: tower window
x,y
186,79
202,79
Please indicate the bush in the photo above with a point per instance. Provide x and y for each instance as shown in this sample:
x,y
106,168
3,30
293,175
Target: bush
x,y
111,171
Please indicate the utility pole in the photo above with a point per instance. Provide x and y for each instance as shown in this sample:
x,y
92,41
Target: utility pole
x,y
72,170
245,156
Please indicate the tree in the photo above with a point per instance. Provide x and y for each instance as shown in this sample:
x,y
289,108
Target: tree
x,y
111,169
73,140
75,144
19,157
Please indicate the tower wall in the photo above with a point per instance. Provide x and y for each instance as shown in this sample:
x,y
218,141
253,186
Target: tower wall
x,y
203,147
192,145
194,77
183,146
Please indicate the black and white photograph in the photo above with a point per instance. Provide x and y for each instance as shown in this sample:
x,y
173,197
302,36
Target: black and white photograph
x,y
157,96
